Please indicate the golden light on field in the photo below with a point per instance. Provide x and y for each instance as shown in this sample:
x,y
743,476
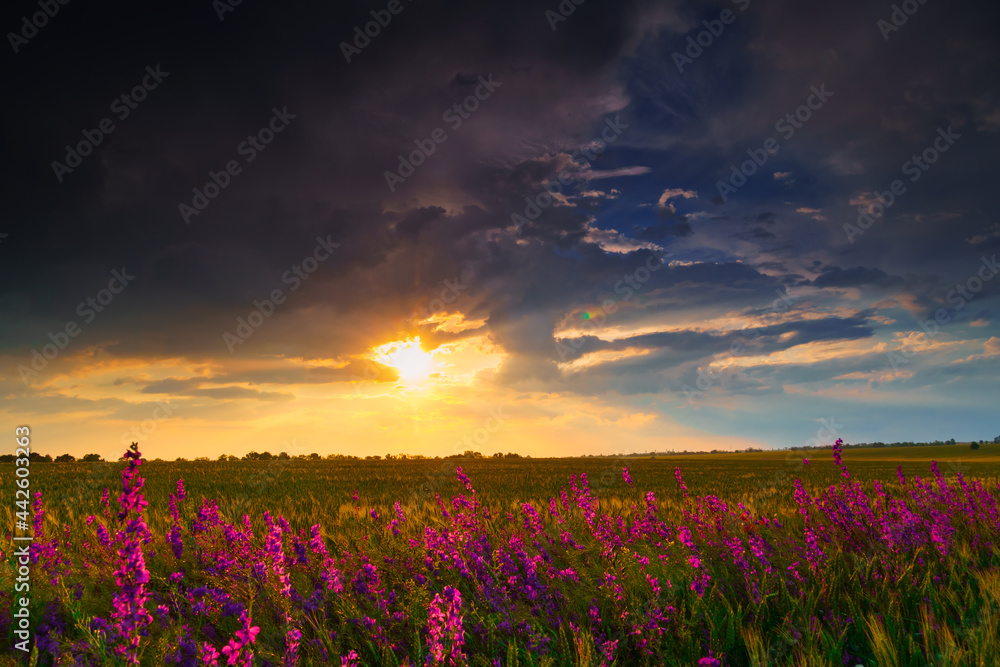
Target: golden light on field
x,y
413,364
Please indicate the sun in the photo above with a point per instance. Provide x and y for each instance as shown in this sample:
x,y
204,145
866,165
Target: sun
x,y
408,358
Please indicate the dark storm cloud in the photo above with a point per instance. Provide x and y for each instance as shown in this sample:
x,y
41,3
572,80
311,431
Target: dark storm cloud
x,y
323,176
661,232
858,276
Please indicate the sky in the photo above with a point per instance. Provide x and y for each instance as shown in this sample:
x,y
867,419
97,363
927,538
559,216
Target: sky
x,y
552,229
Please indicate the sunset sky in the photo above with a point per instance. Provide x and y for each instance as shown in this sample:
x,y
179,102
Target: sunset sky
x,y
298,237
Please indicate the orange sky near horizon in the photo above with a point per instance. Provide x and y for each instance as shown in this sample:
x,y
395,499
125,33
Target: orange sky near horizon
x,y
444,401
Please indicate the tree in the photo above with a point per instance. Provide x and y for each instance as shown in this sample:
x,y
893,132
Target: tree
x,y
92,458
283,456
996,440
65,458
314,457
974,445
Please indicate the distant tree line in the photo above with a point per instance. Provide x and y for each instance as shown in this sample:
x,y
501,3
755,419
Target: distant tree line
x,y
35,457
860,445
282,456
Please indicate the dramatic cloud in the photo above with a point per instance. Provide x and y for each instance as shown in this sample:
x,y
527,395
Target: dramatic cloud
x,y
543,208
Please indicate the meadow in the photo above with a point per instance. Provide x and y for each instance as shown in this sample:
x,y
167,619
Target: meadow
x,y
866,556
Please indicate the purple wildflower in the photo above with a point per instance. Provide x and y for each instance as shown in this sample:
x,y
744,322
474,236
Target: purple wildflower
x,y
207,655
464,479
710,661
129,614
444,628
680,480
292,638
245,636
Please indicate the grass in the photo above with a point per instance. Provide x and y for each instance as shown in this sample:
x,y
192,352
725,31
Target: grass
x,y
865,601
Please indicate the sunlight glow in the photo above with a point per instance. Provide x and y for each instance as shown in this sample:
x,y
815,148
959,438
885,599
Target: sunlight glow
x,y
408,358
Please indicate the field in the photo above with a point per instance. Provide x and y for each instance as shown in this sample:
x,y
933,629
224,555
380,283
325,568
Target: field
x,y
716,559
